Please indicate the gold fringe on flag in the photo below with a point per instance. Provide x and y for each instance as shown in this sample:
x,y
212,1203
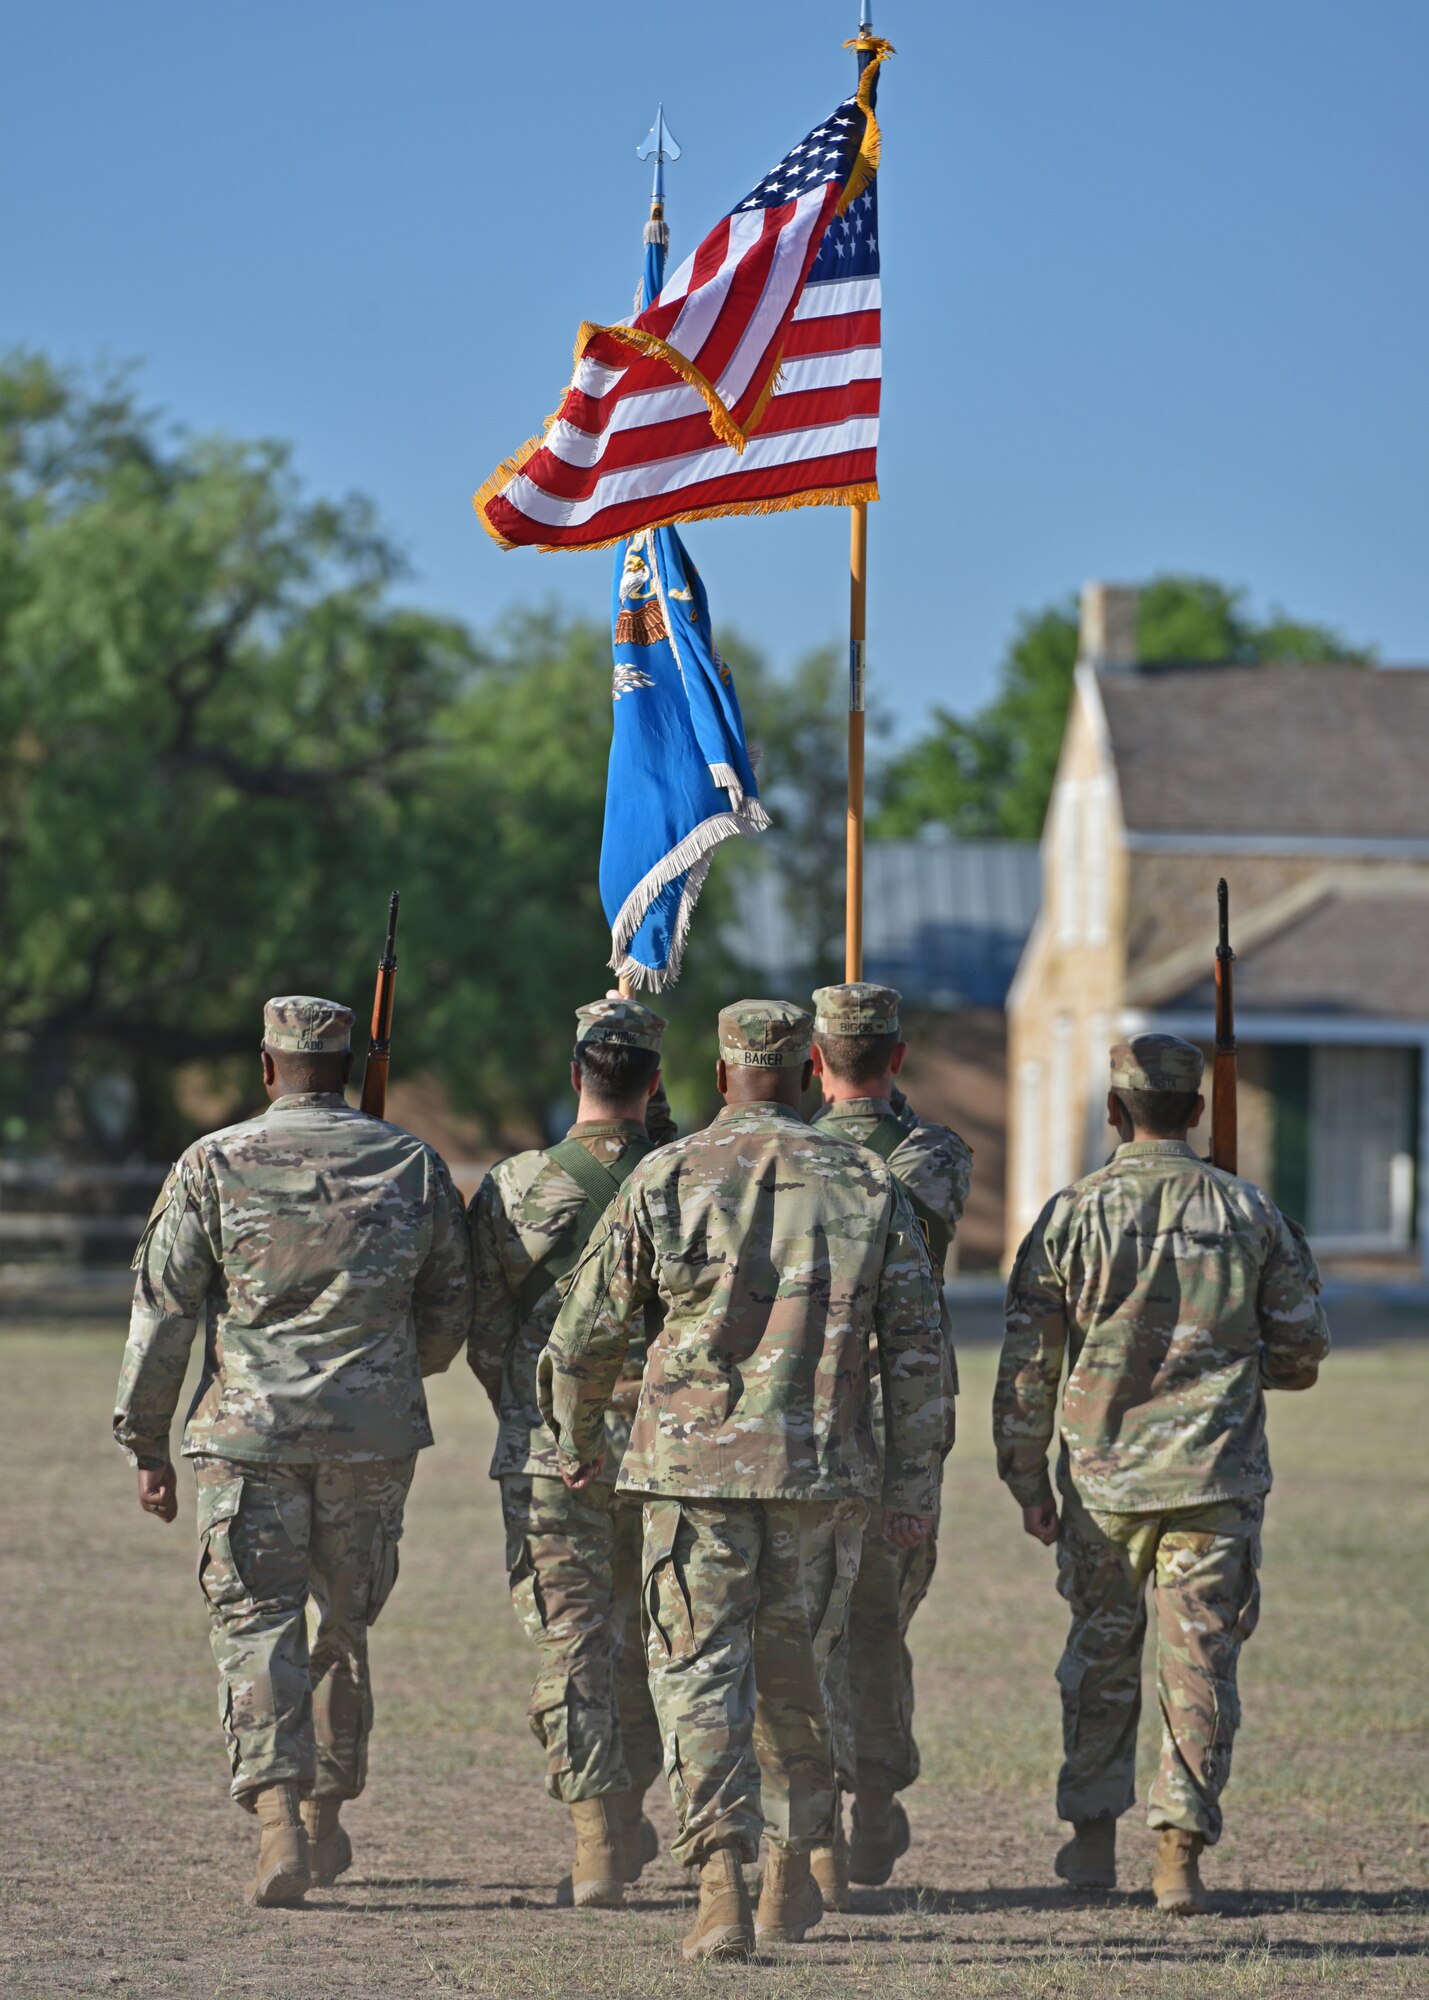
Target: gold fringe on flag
x,y
771,388
721,422
870,149
783,503
503,476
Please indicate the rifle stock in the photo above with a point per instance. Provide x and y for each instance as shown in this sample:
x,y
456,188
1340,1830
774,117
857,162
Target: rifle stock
x,y
1224,1136
379,1048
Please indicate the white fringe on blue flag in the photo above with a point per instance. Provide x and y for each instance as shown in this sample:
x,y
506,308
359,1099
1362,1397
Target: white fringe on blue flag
x,y
709,757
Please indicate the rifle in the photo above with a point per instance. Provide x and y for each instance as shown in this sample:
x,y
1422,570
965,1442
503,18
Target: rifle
x,y
1223,1077
379,1049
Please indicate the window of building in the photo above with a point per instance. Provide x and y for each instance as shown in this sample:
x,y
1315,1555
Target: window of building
x,y
1098,868
1031,1177
1062,1168
1067,859
1361,1151
1098,1139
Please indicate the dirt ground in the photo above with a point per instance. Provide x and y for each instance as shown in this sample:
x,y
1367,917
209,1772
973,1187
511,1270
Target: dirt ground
x,y
123,1859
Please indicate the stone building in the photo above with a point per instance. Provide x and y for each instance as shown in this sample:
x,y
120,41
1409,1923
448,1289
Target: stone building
x,y
1307,787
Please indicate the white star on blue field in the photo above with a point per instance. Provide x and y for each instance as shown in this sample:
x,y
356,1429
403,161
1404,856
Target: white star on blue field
x,y
850,245
826,154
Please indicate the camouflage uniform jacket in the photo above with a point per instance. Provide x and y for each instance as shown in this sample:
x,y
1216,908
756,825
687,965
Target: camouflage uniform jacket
x,y
932,1163
1179,1295
328,1253
524,1205
779,1254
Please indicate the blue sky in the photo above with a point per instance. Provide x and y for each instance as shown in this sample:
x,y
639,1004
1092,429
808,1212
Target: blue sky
x,y
1156,290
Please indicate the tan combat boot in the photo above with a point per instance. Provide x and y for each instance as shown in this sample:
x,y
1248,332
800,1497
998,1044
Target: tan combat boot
x,y
880,1834
598,1877
1088,1859
639,1842
830,1866
283,1874
789,1899
724,1927
329,1849
1176,1874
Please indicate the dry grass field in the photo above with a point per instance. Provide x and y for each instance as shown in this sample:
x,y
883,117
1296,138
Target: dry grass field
x,y
123,1860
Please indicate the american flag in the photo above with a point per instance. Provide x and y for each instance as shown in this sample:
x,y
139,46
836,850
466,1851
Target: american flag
x,y
751,384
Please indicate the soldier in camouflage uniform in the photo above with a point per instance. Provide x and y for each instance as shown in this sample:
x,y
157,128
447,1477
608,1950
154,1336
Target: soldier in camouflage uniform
x,y
857,1055
1177,1295
327,1255
573,1558
783,1259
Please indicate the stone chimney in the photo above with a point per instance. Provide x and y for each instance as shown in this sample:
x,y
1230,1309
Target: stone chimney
x,y
1108,640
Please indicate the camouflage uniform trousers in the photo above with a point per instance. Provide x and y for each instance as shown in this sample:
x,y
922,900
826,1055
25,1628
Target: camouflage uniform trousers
x,y
271,1536
573,1564
869,1685
745,1600
1203,1564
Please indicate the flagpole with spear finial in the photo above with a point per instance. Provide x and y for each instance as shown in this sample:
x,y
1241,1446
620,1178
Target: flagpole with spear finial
x,y
857,626
660,142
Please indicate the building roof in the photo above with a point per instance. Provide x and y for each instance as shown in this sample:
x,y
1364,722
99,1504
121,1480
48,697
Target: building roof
x,y
1356,949
944,920
1286,751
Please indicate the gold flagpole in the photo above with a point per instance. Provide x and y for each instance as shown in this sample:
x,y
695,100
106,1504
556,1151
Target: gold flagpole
x,y
857,623
857,616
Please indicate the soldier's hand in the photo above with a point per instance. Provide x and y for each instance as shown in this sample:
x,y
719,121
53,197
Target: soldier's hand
x,y
158,1492
1041,1522
583,1475
905,1531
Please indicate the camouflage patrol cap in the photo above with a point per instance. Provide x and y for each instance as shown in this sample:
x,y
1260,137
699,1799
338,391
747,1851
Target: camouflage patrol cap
x,y
856,1009
1156,1062
765,1034
299,1024
620,1021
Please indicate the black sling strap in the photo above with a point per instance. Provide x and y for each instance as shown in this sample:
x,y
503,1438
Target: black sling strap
x,y
600,1185
885,1139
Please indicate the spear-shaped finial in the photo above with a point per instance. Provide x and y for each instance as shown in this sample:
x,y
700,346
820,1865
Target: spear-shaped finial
x,y
661,142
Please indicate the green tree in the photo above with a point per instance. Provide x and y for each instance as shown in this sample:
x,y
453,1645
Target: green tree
x,y
221,746
992,775
209,718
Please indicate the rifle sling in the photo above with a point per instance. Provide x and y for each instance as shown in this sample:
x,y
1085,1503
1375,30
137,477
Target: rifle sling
x,y
600,1185
885,1139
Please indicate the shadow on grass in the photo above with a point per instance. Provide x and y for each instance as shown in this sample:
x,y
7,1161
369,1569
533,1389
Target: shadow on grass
x,y
1276,1902
912,1900
404,1906
1132,1950
413,1882
377,1894
924,1902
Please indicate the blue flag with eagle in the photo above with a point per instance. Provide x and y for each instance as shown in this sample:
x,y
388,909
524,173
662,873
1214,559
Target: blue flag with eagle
x,y
680,778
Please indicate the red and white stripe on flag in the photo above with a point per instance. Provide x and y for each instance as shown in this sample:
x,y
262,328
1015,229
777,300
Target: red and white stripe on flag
x,y
750,385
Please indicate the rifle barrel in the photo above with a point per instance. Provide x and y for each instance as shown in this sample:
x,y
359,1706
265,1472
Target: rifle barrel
x,y
1225,1147
379,1048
